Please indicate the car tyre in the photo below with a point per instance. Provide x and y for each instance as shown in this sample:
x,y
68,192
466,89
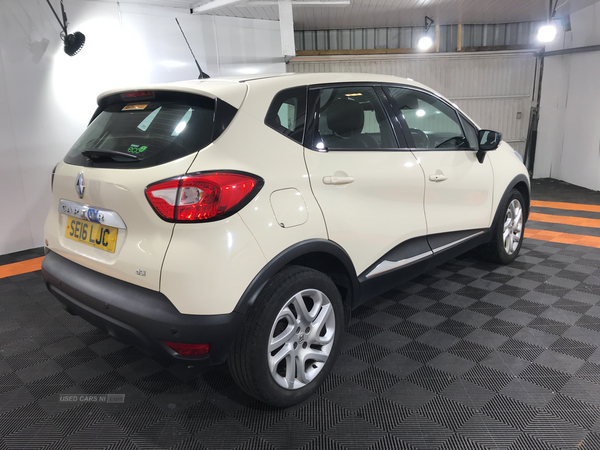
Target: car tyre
x,y
507,235
290,339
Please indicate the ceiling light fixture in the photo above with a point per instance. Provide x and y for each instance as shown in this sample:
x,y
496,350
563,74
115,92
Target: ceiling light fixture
x,y
73,42
425,42
547,33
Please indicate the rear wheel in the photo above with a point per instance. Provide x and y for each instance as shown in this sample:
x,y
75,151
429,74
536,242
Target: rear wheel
x,y
290,339
508,233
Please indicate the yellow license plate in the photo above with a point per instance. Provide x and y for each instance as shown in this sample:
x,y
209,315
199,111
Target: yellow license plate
x,y
92,234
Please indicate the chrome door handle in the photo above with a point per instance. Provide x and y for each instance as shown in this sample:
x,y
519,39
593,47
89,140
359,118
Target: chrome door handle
x,y
338,180
437,177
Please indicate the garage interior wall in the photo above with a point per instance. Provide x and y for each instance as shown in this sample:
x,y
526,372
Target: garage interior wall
x,y
568,143
494,88
47,97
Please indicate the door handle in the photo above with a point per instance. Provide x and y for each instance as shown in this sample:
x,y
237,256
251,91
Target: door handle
x,y
337,180
437,177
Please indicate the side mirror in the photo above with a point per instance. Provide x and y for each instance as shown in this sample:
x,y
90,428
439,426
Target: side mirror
x,y
489,140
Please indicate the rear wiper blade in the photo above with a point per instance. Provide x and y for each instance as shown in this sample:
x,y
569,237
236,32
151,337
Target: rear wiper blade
x,y
102,153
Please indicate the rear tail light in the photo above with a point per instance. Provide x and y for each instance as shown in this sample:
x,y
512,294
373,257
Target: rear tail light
x,y
188,349
202,196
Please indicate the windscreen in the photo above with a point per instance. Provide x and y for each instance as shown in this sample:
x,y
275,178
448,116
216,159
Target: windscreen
x,y
144,133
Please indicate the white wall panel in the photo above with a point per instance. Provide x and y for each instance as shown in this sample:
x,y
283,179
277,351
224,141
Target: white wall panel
x,y
12,188
553,109
247,47
47,97
491,88
569,136
580,158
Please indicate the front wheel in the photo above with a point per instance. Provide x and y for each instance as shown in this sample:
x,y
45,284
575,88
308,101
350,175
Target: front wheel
x,y
290,339
508,233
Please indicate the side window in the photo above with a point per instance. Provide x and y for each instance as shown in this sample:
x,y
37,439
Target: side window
x,y
287,113
432,123
351,117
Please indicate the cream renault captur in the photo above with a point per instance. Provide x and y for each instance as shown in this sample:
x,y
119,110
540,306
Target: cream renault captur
x,y
243,219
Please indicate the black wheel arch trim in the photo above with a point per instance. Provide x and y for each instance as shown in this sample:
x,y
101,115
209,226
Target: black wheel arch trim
x,y
291,254
527,197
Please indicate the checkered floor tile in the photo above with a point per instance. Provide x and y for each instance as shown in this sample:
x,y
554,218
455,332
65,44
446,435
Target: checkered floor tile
x,y
470,355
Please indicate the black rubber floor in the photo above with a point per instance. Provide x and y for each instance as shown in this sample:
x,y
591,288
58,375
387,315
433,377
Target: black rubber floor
x,y
468,356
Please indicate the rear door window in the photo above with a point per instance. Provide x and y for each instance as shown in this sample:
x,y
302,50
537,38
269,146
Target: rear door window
x,y
145,133
351,117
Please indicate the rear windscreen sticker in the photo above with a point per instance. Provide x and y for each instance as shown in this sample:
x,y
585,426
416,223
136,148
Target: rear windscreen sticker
x,y
135,107
137,149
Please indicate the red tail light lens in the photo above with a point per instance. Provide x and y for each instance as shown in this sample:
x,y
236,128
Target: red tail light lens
x,y
137,95
202,196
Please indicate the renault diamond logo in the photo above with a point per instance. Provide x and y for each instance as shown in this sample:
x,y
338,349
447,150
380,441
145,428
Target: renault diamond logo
x,y
79,185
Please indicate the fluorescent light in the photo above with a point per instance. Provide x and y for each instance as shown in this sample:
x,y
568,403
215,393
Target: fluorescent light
x,y
425,43
547,33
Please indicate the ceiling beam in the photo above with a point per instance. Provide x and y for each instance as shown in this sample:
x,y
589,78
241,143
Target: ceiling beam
x,y
286,27
296,3
215,4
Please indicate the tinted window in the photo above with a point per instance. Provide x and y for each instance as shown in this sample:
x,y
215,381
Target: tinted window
x,y
287,113
432,123
145,133
351,118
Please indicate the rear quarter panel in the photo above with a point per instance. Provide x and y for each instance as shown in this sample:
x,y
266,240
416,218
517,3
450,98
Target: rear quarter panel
x,y
220,273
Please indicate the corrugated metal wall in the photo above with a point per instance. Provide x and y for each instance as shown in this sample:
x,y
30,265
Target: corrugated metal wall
x,y
522,33
494,89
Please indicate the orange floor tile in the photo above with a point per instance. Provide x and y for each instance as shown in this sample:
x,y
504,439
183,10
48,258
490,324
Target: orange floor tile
x,y
564,238
566,220
568,206
19,268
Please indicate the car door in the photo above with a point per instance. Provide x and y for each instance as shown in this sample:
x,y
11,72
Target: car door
x,y
369,189
458,187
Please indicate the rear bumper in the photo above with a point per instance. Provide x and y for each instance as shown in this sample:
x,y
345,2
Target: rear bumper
x,y
135,315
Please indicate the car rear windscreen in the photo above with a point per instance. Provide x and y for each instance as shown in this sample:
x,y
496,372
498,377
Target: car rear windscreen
x,y
148,131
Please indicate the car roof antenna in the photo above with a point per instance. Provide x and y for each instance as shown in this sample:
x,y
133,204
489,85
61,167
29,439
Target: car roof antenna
x,y
202,74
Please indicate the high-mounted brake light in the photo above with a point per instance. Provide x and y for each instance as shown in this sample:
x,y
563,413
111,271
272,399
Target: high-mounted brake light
x,y
137,95
202,196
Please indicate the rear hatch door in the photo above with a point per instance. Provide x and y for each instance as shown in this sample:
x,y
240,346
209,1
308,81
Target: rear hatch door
x,y
100,216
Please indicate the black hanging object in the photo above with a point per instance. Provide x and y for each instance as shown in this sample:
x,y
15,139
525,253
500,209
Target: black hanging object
x,y
428,22
73,42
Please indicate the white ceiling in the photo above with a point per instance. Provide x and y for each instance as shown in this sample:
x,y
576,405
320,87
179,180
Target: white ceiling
x,y
390,13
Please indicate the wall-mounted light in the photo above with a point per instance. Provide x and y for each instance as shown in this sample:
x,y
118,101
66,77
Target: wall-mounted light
x,y
73,42
547,33
425,42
